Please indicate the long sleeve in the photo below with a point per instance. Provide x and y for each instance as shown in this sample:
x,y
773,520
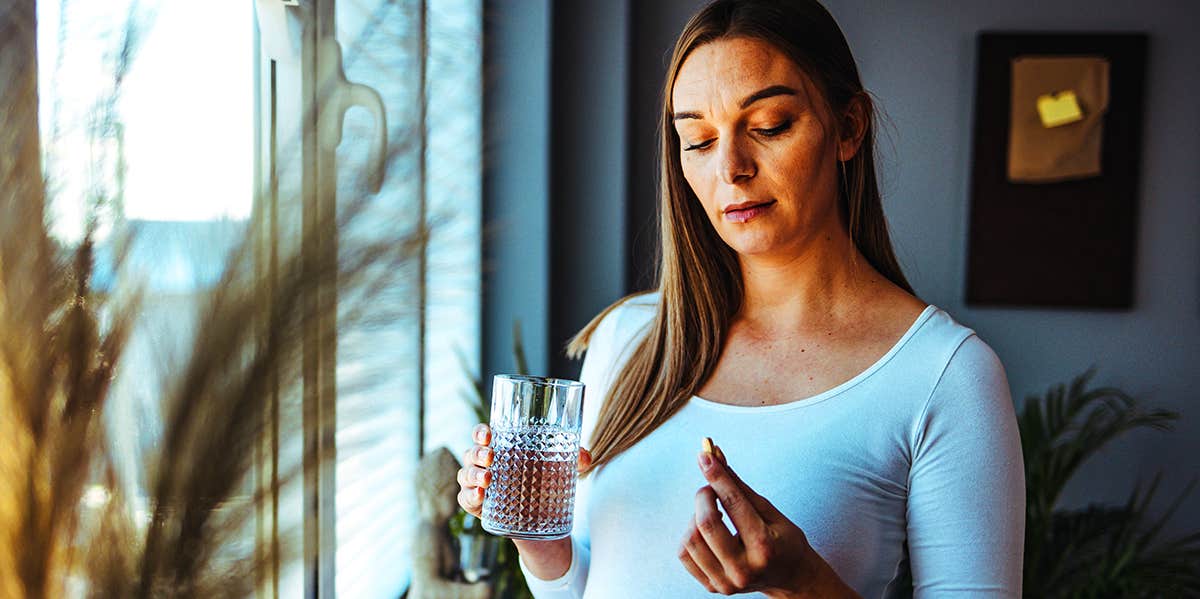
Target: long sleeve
x,y
966,504
568,586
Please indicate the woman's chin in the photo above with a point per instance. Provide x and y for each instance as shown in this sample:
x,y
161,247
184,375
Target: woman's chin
x,y
754,245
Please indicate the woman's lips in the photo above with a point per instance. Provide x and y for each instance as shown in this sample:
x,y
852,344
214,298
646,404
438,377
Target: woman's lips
x,y
742,215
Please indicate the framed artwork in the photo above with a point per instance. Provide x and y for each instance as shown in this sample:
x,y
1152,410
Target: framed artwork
x,y
1055,169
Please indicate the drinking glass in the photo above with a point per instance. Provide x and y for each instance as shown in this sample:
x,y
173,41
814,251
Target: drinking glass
x,y
535,425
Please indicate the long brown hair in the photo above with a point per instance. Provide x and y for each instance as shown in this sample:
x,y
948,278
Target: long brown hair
x,y
699,277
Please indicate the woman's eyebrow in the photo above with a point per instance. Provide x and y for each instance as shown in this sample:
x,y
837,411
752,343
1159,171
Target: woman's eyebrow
x,y
762,94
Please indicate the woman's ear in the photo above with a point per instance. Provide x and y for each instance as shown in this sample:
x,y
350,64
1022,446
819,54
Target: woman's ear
x,y
854,123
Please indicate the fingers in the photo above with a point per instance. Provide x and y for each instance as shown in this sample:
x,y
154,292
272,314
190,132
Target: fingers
x,y
709,571
712,528
764,507
479,455
474,477
734,495
482,434
585,459
471,500
694,570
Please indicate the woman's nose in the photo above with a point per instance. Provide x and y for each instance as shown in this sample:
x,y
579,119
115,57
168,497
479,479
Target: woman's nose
x,y
736,164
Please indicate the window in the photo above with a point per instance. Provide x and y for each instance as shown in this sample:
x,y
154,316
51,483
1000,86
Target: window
x,y
172,156
203,134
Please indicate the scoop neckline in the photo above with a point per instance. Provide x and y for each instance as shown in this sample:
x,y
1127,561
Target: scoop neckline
x,y
832,391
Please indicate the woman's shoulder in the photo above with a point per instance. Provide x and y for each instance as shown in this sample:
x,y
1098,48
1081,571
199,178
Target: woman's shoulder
x,y
962,359
942,325
937,342
623,323
609,347
646,301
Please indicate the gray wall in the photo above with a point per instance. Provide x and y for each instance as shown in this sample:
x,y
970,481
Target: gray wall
x,y
516,180
589,63
554,176
918,58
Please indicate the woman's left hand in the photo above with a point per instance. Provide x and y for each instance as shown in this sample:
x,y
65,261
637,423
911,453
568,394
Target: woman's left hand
x,y
769,554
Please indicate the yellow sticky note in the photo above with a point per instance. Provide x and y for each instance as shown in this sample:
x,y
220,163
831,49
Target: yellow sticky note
x,y
1059,109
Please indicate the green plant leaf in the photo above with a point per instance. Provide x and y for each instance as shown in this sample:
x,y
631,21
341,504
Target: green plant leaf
x,y
1100,551
479,402
518,349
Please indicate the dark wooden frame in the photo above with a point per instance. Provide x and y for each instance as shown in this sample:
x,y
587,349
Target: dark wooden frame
x,y
1066,244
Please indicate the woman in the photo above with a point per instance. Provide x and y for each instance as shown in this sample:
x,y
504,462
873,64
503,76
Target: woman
x,y
869,445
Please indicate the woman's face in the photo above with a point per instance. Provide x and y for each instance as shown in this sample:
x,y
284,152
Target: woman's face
x,y
757,146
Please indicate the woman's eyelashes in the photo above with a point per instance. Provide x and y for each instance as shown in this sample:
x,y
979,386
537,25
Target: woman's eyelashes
x,y
764,132
776,130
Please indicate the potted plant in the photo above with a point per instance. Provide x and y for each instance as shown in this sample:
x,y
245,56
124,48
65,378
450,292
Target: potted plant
x,y
1100,550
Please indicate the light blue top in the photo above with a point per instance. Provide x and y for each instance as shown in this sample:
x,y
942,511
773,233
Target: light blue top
x,y
913,463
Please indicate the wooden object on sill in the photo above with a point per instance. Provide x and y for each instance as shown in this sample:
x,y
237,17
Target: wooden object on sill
x,y
434,558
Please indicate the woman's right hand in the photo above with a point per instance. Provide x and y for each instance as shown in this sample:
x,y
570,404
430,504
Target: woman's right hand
x,y
474,476
546,560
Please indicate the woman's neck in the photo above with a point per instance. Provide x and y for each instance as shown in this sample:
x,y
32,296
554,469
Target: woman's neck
x,y
823,282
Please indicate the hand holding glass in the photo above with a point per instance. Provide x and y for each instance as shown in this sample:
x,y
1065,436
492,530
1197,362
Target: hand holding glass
x,y
535,424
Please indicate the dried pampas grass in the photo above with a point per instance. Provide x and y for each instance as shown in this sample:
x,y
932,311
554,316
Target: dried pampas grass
x,y
58,359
